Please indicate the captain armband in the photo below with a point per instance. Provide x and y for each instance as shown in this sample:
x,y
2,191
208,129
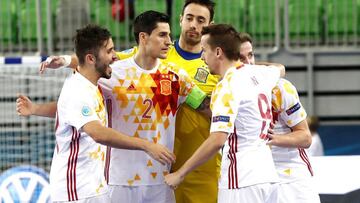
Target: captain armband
x,y
195,97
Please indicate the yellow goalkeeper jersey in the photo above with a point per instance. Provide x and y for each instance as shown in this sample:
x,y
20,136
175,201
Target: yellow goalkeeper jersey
x,y
192,129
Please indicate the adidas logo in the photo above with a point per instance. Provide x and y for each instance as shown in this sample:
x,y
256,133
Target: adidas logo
x,y
131,87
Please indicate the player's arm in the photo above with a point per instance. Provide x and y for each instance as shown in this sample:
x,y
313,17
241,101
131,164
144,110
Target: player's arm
x,y
25,107
288,108
277,65
55,62
221,126
300,137
112,138
204,107
207,150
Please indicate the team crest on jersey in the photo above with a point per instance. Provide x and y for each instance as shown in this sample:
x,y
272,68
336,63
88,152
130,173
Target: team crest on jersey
x,y
201,75
165,87
86,111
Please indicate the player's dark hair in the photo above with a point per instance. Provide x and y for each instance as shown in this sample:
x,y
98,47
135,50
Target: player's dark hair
x,y
210,5
224,36
147,22
89,40
245,37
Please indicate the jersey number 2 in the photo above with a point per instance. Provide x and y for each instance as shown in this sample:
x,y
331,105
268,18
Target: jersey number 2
x,y
149,104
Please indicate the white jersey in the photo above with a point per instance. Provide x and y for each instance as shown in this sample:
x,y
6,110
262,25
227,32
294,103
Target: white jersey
x,y
241,107
77,169
143,104
291,163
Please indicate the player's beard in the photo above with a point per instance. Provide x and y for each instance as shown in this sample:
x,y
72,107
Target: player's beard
x,y
101,68
191,40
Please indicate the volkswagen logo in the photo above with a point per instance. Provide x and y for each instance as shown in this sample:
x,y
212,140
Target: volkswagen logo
x,y
24,184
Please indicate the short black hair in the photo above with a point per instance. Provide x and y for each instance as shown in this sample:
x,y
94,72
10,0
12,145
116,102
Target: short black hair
x,y
226,37
89,40
147,22
210,5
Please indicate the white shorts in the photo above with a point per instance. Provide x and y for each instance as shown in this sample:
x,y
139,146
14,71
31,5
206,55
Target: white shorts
x,y
97,199
298,191
260,193
141,194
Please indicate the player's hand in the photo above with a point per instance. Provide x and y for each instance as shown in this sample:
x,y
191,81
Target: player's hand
x,y
173,179
160,153
53,62
271,128
24,106
273,138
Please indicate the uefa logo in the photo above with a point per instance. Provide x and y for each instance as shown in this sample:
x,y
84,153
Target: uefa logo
x,y
24,184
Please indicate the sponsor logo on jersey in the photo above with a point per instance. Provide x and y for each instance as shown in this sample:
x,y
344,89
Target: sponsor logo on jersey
x,y
165,87
293,109
24,184
201,75
86,111
131,87
220,119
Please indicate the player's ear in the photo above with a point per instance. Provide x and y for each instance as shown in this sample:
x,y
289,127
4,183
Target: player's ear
x,y
181,18
142,36
212,22
90,59
218,51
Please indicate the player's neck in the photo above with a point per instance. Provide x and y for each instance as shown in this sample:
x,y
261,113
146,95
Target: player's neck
x,y
188,47
90,74
145,62
226,65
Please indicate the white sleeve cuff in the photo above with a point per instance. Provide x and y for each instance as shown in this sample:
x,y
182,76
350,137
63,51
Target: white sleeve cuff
x,y
67,59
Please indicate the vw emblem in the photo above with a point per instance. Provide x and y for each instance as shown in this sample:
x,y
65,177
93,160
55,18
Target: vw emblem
x,y
24,184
